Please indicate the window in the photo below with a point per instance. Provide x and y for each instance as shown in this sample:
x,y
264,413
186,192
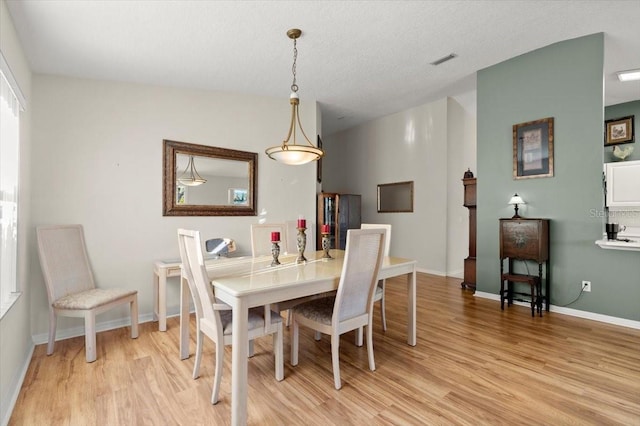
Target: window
x,y
9,148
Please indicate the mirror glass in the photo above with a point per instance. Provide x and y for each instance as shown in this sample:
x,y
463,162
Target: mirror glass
x,y
200,180
395,197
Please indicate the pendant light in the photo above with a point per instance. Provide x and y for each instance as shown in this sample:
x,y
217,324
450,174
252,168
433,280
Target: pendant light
x,y
190,176
290,152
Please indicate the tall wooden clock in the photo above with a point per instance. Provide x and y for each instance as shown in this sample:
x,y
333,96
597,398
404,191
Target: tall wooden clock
x,y
470,202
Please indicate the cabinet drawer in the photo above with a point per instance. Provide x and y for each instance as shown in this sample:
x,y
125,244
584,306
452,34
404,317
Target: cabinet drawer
x,y
524,239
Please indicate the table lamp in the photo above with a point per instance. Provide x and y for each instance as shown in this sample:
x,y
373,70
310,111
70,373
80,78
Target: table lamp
x,y
515,200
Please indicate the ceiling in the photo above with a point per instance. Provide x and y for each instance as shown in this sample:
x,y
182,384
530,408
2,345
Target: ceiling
x,y
359,59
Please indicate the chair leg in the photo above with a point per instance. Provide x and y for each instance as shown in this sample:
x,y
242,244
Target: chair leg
x,y
335,359
217,378
52,330
288,317
383,309
90,335
278,338
359,336
196,364
294,341
133,306
251,349
372,363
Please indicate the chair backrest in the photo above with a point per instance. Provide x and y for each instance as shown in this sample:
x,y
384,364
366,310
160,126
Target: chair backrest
x,y
386,227
362,259
292,236
261,238
64,260
194,270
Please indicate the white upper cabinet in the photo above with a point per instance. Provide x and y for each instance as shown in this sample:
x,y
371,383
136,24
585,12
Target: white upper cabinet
x,y
623,185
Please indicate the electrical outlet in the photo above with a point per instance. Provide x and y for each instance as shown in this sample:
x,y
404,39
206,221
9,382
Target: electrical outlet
x,y
586,286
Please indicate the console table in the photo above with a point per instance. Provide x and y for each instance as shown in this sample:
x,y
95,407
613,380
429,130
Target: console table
x,y
525,240
163,269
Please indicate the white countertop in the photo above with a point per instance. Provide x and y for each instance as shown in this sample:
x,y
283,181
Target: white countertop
x,y
631,233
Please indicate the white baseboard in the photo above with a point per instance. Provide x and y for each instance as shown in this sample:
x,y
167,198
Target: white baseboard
x,y
572,312
6,407
68,333
456,274
432,272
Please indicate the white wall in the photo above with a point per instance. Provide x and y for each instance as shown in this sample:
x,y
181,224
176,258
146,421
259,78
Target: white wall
x,y
15,336
432,145
97,160
461,155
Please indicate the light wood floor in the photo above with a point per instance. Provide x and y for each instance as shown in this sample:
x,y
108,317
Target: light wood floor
x,y
473,365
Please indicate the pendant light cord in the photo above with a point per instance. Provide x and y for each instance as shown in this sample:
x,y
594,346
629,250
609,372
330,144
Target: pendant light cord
x,y
294,86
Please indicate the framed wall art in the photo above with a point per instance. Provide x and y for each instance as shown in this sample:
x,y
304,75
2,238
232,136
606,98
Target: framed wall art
x,y
238,196
619,130
533,149
395,197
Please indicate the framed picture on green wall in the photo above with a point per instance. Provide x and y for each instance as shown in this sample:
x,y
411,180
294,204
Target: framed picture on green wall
x,y
533,149
619,130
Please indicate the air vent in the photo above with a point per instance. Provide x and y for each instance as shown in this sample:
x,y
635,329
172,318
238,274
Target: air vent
x,y
444,59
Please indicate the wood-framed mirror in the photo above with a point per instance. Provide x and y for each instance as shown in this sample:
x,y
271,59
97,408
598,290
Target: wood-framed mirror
x,y
395,197
201,180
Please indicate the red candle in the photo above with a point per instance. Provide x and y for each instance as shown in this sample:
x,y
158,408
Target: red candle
x,y
325,229
275,236
302,223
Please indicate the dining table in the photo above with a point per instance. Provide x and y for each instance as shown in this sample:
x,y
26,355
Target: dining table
x,y
248,282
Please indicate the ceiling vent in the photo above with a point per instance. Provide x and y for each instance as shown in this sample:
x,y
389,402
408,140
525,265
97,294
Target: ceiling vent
x,y
444,59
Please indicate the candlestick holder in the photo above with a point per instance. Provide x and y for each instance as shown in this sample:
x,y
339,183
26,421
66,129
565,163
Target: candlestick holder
x,y
302,243
326,245
275,252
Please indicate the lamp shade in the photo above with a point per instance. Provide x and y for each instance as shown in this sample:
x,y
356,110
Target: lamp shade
x,y
516,199
190,176
294,154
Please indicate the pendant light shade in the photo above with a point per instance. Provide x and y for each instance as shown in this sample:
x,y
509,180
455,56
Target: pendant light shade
x,y
190,176
290,152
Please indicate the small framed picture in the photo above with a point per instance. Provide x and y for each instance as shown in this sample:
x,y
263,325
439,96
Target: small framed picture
x,y
533,149
238,197
619,130
181,194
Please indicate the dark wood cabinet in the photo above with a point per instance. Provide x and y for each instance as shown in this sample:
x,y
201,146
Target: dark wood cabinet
x,y
470,261
341,212
524,241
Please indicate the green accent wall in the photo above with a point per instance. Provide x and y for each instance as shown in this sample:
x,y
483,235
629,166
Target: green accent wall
x,y
564,81
623,110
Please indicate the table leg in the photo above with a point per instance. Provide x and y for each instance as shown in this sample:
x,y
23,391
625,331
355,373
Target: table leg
x,y
185,298
156,284
162,302
411,308
239,368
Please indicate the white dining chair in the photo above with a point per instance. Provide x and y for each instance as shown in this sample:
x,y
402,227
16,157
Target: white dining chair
x,y
71,287
379,295
213,317
352,306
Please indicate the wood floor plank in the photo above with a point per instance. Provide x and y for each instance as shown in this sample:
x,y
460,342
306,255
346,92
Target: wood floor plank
x,y
473,365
